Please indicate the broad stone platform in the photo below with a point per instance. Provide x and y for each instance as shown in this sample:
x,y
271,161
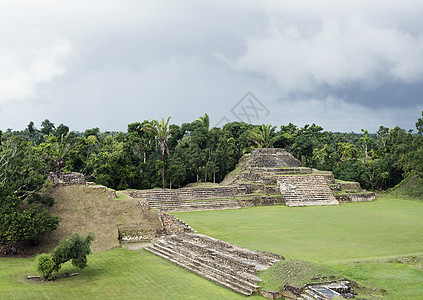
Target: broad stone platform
x,y
226,264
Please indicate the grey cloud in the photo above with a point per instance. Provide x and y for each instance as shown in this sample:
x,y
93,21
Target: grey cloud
x,y
133,60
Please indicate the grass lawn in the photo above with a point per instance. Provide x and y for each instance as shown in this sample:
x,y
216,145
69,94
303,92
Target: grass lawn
x,y
383,228
114,274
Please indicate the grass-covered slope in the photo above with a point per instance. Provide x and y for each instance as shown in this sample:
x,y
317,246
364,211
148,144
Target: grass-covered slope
x,y
294,272
82,209
410,187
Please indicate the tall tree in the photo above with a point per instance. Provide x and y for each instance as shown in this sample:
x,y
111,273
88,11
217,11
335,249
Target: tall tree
x,y
161,133
419,125
47,127
263,135
204,121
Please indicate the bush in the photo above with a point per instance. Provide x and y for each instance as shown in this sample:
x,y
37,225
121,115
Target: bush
x,y
75,248
45,265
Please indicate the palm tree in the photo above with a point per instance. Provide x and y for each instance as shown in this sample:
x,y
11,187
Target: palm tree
x,y
162,134
262,135
205,121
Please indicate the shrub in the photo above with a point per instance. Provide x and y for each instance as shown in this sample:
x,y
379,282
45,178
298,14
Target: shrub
x,y
45,265
75,248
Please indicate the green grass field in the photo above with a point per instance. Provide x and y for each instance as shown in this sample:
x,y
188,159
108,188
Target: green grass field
x,y
383,228
353,240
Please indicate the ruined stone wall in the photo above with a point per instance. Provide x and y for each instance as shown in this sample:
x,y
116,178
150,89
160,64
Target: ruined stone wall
x,y
187,193
144,205
262,201
173,225
359,197
134,235
351,187
111,194
70,178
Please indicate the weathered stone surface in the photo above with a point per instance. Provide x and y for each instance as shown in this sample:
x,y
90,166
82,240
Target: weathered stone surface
x,y
273,157
134,234
358,197
226,264
71,178
271,295
350,187
173,225
100,188
111,194
144,205
306,190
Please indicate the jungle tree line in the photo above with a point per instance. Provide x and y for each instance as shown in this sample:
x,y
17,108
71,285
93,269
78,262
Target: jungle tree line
x,y
157,153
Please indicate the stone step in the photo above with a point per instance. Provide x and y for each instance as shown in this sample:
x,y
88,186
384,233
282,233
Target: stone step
x,y
312,295
219,277
211,255
229,265
258,258
306,297
323,292
310,203
242,278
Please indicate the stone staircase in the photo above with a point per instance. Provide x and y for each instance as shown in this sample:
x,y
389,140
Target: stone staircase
x,y
180,205
306,190
191,199
336,290
226,264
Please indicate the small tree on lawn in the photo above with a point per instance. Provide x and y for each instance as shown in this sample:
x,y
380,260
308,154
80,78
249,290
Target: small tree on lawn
x,y
75,248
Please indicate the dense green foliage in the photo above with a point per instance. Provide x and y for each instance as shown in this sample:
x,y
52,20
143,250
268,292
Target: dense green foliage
x,y
74,249
156,154
45,265
23,212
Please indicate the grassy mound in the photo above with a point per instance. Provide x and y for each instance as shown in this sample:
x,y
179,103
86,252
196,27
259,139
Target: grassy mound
x,y
233,176
82,209
294,272
410,187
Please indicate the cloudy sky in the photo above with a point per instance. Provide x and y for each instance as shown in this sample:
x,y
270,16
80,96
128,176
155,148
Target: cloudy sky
x,y
344,65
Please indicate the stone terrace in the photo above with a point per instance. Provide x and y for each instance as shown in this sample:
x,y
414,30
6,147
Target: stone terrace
x,y
306,190
191,199
231,266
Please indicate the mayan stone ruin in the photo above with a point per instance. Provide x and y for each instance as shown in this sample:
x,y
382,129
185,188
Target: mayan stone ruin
x,y
267,176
